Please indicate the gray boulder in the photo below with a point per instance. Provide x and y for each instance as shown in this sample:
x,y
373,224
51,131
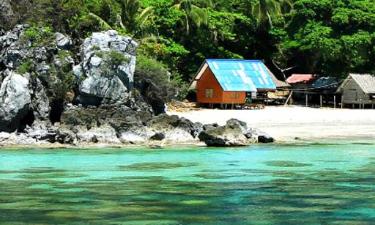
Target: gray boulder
x,y
234,133
62,41
107,68
265,138
15,101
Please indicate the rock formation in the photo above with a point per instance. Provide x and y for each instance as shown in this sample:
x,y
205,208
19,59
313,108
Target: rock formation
x,y
15,101
48,95
107,68
233,133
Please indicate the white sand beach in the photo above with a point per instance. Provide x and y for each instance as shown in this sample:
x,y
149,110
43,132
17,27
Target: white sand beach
x,y
291,122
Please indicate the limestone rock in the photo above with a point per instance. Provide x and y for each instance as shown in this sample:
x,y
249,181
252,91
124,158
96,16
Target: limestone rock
x,y
41,131
62,41
103,134
40,101
104,81
231,134
15,101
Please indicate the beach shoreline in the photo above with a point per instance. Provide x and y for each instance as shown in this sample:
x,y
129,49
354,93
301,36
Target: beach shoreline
x,y
296,123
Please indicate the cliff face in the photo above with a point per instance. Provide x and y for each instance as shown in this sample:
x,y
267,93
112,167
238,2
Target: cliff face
x,y
39,75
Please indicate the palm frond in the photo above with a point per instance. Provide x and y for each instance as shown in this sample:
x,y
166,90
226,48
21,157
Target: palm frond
x,y
102,23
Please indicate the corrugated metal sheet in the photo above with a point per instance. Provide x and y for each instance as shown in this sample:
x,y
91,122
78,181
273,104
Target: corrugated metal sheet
x,y
300,78
241,75
326,83
366,82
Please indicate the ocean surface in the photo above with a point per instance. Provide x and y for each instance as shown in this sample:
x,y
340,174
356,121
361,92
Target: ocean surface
x,y
261,184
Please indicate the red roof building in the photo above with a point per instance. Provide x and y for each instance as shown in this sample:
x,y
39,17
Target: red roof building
x,y
301,78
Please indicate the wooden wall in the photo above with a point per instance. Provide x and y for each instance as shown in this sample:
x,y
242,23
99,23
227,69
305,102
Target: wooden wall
x,y
209,81
353,94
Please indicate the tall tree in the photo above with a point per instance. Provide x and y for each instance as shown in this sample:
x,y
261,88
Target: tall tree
x,y
133,18
265,11
194,12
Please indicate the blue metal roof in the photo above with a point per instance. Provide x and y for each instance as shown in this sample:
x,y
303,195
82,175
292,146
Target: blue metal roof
x,y
241,75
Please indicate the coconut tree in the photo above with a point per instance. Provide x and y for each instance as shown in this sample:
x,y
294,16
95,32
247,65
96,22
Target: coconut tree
x,y
194,12
132,17
265,11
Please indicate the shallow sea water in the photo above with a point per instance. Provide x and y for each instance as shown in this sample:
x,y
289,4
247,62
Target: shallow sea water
x,y
261,184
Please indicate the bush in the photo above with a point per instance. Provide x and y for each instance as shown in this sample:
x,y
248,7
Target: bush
x,y
38,36
26,66
151,70
116,59
148,68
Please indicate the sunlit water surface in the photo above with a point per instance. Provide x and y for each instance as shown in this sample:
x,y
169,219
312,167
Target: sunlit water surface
x,y
269,184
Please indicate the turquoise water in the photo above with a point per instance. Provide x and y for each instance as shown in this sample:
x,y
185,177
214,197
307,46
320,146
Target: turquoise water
x,y
262,184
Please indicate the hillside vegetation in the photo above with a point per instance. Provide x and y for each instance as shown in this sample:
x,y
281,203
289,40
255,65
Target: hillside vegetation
x,y
331,37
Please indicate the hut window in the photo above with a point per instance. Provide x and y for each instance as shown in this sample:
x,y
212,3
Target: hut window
x,y
209,93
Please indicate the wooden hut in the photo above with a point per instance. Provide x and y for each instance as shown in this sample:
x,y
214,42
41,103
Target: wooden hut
x,y
358,89
301,87
231,81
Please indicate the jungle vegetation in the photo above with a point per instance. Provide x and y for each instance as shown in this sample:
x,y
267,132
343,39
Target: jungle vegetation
x,y
328,37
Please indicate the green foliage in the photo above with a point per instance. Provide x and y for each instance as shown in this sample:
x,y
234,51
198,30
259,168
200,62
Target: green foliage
x,y
26,66
170,84
38,36
116,58
149,68
331,37
266,11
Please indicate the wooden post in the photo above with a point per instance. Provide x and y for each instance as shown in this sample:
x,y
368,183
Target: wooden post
x,y
334,101
289,97
342,101
321,101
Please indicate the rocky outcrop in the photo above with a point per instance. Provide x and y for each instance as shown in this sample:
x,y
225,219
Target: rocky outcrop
x,y
174,128
39,99
15,101
234,133
123,125
107,68
44,98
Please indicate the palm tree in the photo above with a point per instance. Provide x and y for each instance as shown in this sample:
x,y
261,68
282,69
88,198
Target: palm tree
x,y
194,12
266,10
132,17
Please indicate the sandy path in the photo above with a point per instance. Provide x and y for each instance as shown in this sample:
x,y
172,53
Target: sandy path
x,y
287,123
